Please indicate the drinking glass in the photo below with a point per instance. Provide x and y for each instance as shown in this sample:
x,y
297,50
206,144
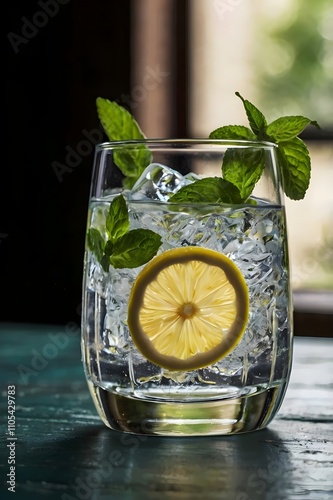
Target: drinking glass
x,y
243,388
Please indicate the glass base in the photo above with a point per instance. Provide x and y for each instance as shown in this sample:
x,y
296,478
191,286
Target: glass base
x,y
219,417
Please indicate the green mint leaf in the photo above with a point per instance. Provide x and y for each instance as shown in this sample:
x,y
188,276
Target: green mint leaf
x,y
120,125
243,168
208,190
135,248
132,161
288,127
95,243
124,248
105,263
117,220
295,162
108,249
256,119
237,132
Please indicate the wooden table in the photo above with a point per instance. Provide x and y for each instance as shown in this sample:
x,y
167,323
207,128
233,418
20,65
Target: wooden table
x,y
63,451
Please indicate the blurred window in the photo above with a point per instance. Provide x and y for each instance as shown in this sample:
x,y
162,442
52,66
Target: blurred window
x,y
279,55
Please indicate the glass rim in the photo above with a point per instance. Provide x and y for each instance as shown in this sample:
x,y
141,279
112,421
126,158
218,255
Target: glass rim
x,y
223,143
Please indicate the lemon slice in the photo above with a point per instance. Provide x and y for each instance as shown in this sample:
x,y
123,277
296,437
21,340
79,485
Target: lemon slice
x,y
188,308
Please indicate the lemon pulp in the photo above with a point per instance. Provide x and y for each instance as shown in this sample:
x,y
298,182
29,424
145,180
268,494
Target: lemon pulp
x,y
188,308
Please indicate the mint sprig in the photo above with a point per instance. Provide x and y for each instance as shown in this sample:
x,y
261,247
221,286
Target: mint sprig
x,y
241,170
241,167
244,168
120,125
123,248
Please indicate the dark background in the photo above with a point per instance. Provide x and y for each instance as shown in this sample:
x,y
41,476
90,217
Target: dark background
x,y
56,68
61,55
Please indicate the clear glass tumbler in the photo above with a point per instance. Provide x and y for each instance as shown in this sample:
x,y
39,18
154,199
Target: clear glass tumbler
x,y
167,382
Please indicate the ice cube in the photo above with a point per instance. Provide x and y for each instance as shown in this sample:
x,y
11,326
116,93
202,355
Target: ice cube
x,y
158,182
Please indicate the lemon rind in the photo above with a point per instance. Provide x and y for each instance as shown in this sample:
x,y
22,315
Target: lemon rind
x,y
150,272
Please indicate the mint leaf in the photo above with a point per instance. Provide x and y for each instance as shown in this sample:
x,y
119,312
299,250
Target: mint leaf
x,y
288,127
243,168
132,161
105,263
120,125
209,190
295,162
95,243
237,132
124,248
135,248
256,119
108,249
99,248
117,220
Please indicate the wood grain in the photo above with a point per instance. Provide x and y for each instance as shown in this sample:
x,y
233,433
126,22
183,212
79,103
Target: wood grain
x,y
65,452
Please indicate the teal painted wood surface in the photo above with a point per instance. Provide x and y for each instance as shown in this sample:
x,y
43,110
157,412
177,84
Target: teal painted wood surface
x,y
63,450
